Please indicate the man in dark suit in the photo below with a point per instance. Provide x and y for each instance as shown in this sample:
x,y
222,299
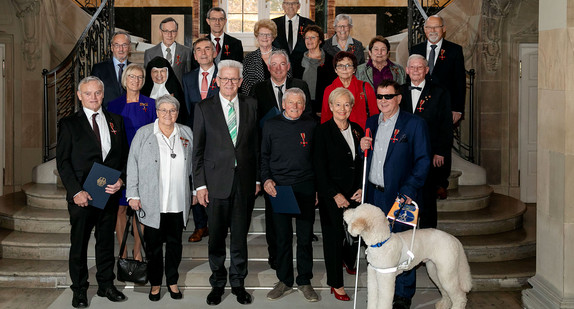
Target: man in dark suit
x,y
110,71
447,67
225,171
398,164
178,55
269,94
432,103
290,34
200,84
91,135
226,46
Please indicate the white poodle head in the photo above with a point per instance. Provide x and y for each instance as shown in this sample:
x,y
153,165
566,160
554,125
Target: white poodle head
x,y
368,221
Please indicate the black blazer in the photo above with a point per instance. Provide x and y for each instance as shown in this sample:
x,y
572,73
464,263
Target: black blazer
x,y
299,49
106,71
232,49
336,170
265,95
436,111
78,149
214,154
192,91
448,71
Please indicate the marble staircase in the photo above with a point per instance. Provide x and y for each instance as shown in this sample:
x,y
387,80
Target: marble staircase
x,y
498,234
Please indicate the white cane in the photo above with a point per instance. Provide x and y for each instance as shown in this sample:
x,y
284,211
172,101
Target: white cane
x,y
368,133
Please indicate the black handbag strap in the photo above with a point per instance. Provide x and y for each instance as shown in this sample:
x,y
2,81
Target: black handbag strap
x,y
366,101
126,232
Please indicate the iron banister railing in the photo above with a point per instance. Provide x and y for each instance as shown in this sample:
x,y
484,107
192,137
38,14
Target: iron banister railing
x,y
92,47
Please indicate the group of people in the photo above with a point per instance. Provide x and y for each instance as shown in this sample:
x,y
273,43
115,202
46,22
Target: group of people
x,y
203,130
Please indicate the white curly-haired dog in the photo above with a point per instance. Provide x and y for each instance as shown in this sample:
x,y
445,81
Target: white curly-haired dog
x,y
443,254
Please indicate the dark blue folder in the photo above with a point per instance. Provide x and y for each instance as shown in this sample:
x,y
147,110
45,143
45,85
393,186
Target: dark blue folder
x,y
284,202
99,177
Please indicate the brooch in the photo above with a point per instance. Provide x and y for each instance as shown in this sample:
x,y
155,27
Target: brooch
x,y
441,56
394,138
177,62
227,50
421,108
303,142
144,106
301,30
184,141
113,129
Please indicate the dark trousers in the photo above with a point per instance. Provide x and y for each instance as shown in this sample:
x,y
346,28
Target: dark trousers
x,y
333,232
83,220
170,230
270,229
437,177
405,283
199,216
305,195
231,214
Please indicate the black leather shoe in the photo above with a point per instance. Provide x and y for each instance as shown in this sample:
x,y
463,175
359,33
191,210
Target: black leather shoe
x,y
175,295
154,297
214,297
112,294
80,300
243,297
401,302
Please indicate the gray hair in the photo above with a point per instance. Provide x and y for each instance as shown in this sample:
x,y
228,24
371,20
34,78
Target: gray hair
x,y
88,79
339,92
441,19
121,32
280,52
294,91
230,64
167,98
417,56
340,17
216,9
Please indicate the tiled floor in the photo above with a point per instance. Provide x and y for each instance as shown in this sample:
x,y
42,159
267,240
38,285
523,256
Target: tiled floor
x,y
12,298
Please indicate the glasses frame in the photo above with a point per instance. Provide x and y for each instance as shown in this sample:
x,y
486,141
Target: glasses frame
x,y
389,96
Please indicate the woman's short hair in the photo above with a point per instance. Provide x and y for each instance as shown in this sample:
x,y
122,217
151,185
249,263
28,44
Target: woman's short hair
x,y
265,23
339,92
379,38
316,29
88,79
342,55
341,17
167,98
129,69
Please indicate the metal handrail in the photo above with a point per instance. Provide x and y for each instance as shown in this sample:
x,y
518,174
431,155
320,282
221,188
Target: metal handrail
x,y
465,148
92,47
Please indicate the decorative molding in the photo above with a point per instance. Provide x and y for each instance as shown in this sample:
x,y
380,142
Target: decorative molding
x,y
494,13
28,11
544,295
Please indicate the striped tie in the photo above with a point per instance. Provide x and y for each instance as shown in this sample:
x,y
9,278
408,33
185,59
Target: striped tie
x,y
232,123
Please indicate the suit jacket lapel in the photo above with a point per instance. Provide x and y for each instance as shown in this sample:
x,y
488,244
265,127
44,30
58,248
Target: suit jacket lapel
x,y
422,98
399,130
243,114
408,100
336,132
219,120
85,125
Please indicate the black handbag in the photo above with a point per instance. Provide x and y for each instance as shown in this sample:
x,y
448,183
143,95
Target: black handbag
x,y
130,269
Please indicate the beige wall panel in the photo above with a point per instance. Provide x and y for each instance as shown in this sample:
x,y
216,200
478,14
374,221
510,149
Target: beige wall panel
x,y
155,32
551,109
550,266
553,55
152,3
364,27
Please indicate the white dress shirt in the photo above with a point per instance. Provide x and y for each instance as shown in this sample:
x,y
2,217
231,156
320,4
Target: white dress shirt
x,y
276,92
104,130
295,23
416,94
172,171
225,107
172,49
348,135
436,50
210,72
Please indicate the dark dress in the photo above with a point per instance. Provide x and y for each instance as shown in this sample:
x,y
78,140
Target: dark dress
x,y
135,115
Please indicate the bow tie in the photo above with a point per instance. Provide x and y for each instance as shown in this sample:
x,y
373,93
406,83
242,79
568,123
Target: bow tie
x,y
415,88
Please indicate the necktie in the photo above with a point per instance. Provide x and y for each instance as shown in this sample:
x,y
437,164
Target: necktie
x,y
415,88
168,55
120,72
204,85
290,36
431,58
232,123
96,129
217,46
280,97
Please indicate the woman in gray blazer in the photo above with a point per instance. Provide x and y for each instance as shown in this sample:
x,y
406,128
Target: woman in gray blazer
x,y
159,170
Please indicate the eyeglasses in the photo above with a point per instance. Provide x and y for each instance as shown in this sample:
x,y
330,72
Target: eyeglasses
x,y
219,20
344,66
225,80
290,3
386,96
342,26
310,38
172,32
265,35
165,111
433,28
135,76
416,68
116,45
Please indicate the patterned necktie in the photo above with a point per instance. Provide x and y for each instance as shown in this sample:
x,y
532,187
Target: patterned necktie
x,y
168,55
120,72
280,97
217,46
96,129
290,36
431,58
232,123
204,85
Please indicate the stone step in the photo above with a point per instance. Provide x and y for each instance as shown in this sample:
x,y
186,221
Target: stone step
x,y
503,214
466,198
453,179
48,196
16,215
195,274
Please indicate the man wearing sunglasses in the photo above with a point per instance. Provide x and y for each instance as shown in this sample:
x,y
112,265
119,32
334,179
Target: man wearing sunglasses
x,y
397,165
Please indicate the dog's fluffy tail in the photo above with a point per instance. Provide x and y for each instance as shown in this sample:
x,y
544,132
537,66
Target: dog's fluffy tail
x,y
464,276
